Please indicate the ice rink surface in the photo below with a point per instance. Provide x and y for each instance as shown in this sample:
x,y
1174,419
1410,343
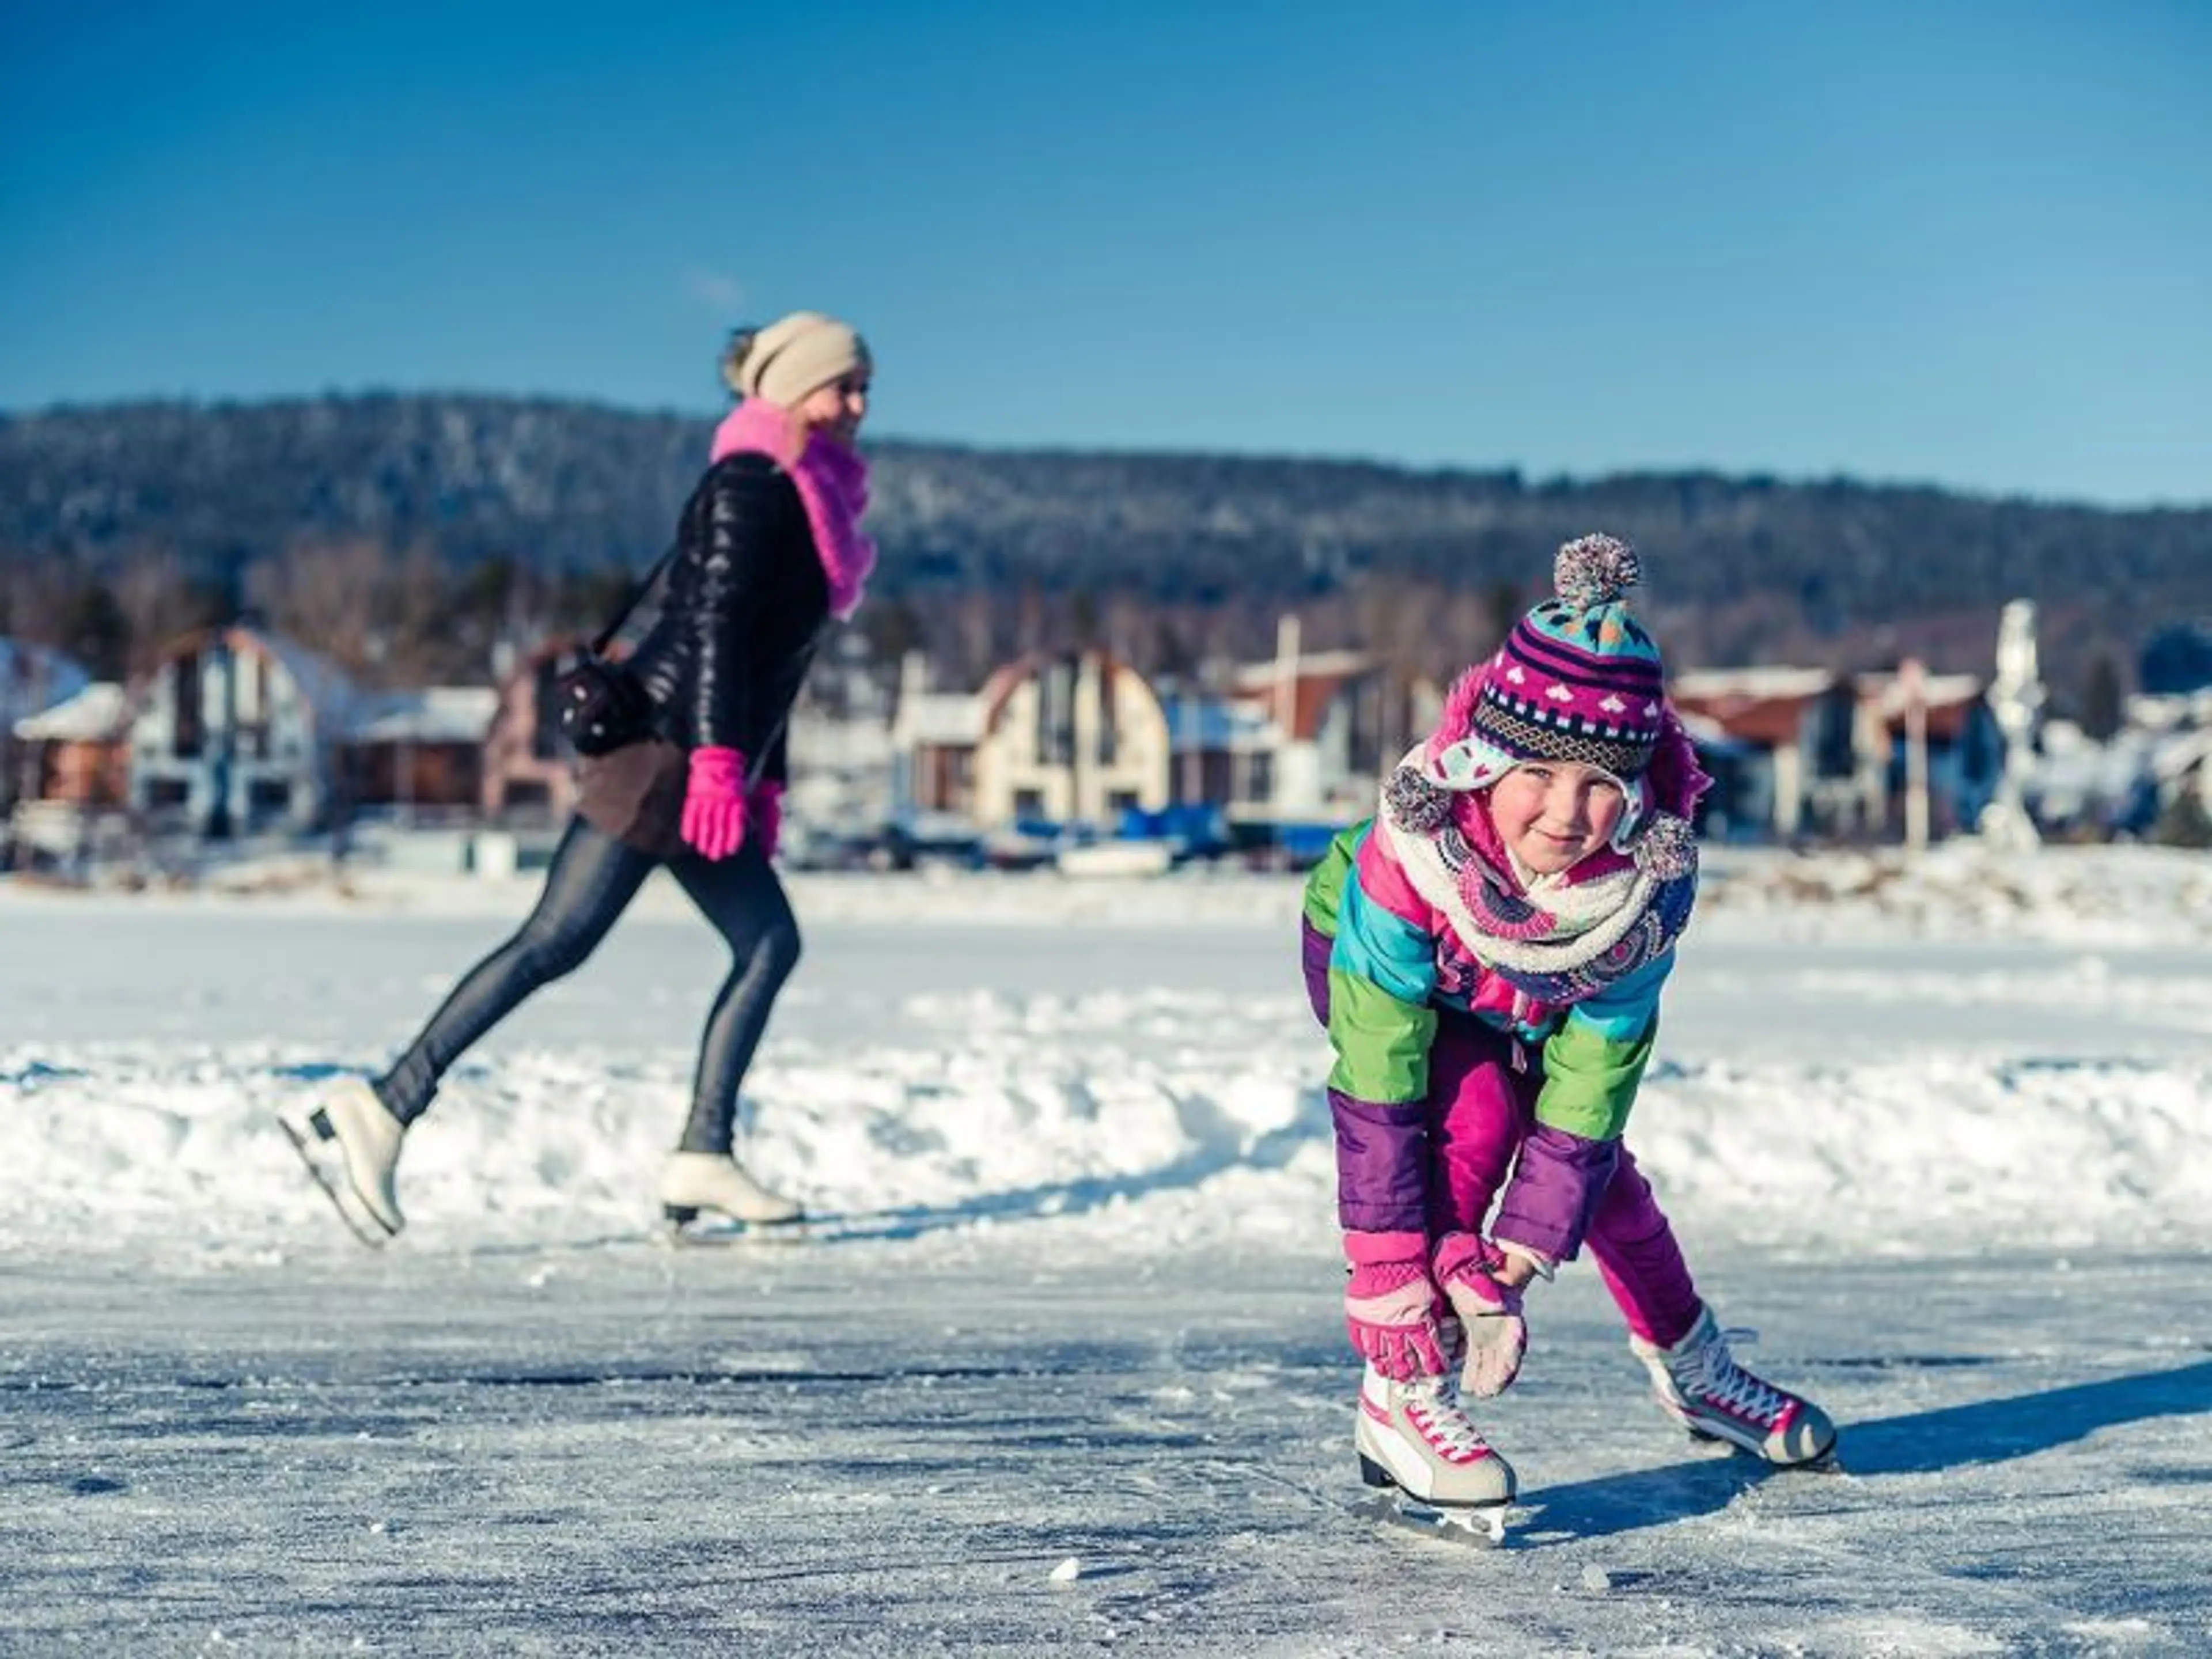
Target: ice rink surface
x,y
1063,1368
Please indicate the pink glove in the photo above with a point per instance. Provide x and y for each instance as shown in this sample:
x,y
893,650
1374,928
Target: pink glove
x,y
1496,1335
715,802
1390,1307
764,808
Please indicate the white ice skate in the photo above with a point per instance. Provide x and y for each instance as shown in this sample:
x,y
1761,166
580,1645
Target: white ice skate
x,y
1415,1441
1701,1387
351,1143
715,1181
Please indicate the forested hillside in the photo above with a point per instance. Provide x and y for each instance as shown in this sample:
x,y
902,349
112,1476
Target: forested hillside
x,y
409,534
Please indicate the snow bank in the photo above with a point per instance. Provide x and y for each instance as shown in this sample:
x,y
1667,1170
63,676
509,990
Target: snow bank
x,y
1037,1116
1126,1062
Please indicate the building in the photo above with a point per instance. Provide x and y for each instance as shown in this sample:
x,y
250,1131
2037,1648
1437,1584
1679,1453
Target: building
x,y
72,776
934,736
1075,739
235,731
1078,738
1296,743
1966,750
527,778
1309,737
33,680
1796,751
419,755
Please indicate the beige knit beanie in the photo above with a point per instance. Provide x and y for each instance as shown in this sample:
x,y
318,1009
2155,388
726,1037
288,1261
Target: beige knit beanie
x,y
791,357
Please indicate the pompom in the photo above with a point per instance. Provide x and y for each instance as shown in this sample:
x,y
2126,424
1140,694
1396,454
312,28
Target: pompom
x,y
1667,848
733,359
1594,570
1417,805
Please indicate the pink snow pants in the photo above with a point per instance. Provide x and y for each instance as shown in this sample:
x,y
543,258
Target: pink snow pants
x,y
1480,1107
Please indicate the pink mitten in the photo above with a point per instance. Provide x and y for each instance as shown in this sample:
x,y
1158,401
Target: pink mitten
x,y
1496,1335
715,802
764,808
1390,1306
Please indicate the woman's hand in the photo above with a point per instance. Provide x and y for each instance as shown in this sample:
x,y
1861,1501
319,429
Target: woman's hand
x,y
714,803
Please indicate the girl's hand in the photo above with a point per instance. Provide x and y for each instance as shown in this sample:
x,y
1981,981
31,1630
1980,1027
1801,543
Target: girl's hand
x,y
1396,1319
1473,1273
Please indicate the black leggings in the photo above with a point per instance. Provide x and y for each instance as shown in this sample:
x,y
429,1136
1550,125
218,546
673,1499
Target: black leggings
x,y
591,881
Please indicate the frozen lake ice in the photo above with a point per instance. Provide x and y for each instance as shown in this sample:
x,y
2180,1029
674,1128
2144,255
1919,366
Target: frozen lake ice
x,y
1079,1301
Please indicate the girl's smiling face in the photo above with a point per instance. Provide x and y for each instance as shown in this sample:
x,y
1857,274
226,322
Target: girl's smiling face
x,y
1551,815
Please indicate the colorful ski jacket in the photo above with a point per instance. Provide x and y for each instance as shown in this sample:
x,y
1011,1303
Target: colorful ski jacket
x,y
1421,914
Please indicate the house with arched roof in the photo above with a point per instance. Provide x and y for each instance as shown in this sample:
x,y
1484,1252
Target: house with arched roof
x,y
1073,737
1077,737
236,731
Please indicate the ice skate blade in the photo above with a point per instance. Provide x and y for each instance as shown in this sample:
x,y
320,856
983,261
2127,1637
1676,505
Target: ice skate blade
x,y
1823,1461
684,1227
1826,1461
1476,1526
1466,1523
325,1162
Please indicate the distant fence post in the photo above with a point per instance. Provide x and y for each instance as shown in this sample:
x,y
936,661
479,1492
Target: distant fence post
x,y
1912,686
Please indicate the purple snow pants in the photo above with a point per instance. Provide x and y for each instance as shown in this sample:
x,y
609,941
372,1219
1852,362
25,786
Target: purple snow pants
x,y
1478,1108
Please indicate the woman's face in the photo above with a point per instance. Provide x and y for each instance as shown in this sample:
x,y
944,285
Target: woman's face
x,y
837,409
1554,814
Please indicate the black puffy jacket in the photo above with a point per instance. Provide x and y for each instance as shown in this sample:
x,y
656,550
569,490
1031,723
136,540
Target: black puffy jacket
x,y
732,621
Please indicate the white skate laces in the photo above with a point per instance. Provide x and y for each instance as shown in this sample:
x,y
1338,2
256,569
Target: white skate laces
x,y
1435,1413
1709,1375
1415,1442
1699,1384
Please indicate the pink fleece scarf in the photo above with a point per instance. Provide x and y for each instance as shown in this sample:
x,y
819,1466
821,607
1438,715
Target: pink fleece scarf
x,y
833,484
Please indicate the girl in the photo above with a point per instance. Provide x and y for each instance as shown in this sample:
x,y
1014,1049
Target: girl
x,y
768,549
1487,954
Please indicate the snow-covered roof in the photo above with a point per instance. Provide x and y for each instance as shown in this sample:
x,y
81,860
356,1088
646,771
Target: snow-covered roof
x,y
1760,685
2177,756
330,693
946,718
327,686
36,677
101,713
1317,665
1887,690
440,713
1709,733
2165,713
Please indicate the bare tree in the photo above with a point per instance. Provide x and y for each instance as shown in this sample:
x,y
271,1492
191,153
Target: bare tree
x,y
155,593
328,596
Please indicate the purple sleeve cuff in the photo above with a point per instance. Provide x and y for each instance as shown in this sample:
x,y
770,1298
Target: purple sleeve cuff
x,y
1314,950
1382,1165
1556,1186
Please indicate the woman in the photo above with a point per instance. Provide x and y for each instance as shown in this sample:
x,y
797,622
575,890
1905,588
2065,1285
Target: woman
x,y
769,550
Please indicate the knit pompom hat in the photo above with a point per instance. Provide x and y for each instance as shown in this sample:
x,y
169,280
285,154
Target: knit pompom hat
x,y
1576,679
791,357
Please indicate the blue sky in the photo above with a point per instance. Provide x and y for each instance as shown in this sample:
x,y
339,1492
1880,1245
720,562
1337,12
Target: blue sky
x,y
1968,244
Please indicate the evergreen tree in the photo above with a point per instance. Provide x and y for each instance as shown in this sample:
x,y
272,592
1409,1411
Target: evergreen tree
x,y
96,630
2101,708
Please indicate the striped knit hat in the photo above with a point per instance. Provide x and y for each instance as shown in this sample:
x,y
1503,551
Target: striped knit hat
x,y
1577,680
